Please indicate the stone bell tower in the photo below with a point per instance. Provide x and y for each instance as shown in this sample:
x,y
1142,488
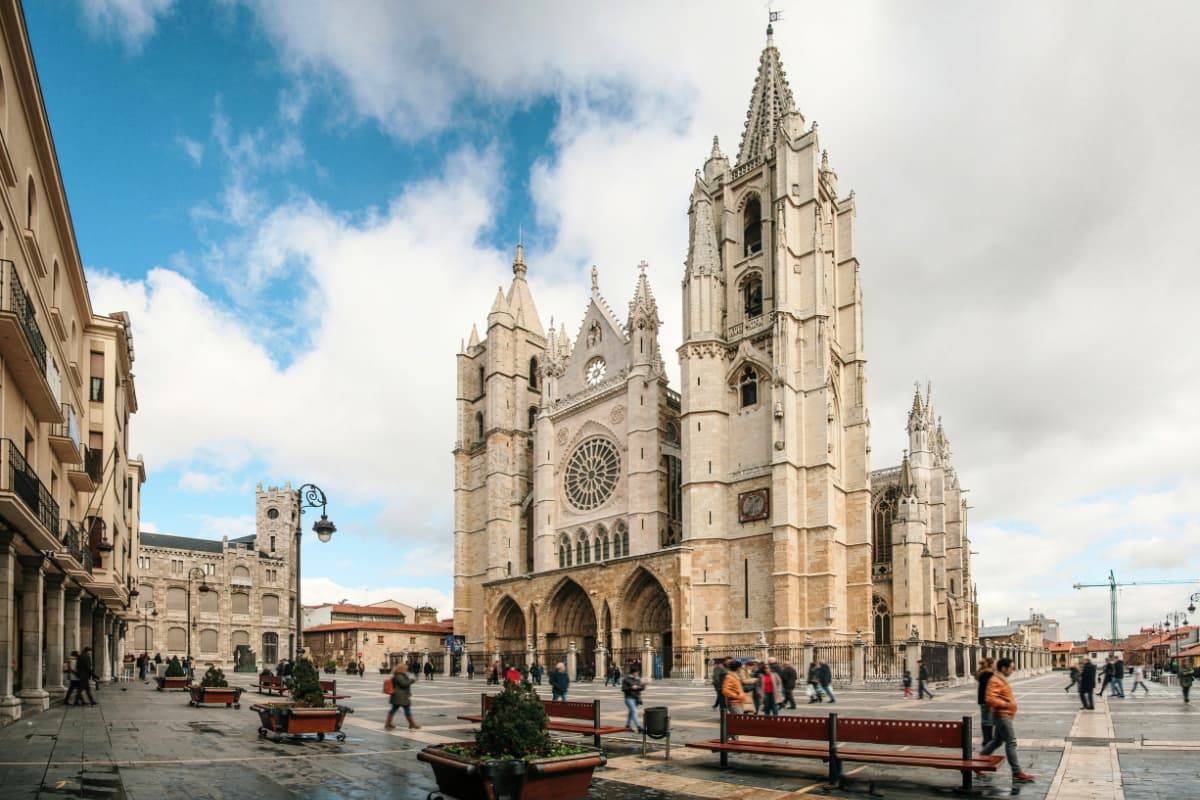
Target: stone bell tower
x,y
775,427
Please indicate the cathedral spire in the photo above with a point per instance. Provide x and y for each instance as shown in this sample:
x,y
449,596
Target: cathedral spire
x,y
643,302
769,102
908,486
520,299
703,255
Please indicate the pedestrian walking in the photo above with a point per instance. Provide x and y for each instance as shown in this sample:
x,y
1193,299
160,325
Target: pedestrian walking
x,y
1139,679
1004,712
560,681
984,676
1186,675
789,676
470,669
1074,673
922,678
720,670
632,688
84,674
825,681
401,696
906,682
1087,682
512,675
814,694
770,689
732,691
750,683
72,677
428,670
1118,679
1108,674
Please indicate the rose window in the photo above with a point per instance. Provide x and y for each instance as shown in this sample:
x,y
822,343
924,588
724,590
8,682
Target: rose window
x,y
592,473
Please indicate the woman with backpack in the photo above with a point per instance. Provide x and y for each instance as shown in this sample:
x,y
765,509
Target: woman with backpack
x,y
399,686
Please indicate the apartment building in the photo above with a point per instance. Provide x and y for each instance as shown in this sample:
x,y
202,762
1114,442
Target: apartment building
x,y
69,492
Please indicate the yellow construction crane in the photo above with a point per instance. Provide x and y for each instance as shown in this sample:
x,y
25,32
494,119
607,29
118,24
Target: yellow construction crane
x,y
1112,596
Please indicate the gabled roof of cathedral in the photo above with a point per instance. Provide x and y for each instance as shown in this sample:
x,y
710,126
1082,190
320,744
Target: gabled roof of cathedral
x,y
602,305
770,100
520,299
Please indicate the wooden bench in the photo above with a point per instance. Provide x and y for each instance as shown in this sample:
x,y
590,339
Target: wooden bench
x,y
329,688
829,734
270,684
558,710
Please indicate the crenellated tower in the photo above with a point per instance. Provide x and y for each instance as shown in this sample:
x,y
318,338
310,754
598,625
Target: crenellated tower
x,y
775,426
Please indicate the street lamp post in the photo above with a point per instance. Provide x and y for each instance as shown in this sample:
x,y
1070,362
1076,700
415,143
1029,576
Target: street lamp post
x,y
308,496
204,587
1176,619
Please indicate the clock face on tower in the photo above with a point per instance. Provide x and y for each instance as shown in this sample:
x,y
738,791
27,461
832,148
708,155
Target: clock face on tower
x,y
595,371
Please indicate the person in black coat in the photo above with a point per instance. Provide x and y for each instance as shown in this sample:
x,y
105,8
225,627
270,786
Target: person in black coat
x,y
825,678
1087,682
788,676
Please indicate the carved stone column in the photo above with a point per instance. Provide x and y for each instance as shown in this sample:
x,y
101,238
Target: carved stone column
x,y
572,661
448,664
32,611
100,640
699,662
647,660
601,661
858,666
55,636
10,706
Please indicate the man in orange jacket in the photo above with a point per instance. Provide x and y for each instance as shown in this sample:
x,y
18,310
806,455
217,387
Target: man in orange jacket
x,y
1000,699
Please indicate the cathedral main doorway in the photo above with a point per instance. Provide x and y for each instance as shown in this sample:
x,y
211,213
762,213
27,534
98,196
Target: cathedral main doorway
x,y
510,632
571,618
646,614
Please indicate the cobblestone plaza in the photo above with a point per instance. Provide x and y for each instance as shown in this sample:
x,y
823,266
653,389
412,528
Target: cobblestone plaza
x,y
139,743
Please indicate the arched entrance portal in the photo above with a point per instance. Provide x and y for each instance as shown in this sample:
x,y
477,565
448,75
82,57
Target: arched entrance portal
x,y
646,614
570,617
510,631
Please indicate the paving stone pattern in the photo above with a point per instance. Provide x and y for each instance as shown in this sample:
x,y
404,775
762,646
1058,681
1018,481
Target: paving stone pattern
x,y
139,743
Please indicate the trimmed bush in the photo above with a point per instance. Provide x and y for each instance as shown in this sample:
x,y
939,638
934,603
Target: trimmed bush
x,y
214,678
516,726
174,668
306,685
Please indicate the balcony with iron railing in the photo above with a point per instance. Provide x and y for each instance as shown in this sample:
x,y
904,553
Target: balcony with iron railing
x,y
23,347
25,502
65,438
75,547
85,474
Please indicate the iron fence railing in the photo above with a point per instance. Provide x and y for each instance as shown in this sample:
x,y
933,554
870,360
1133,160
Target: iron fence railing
x,y
26,485
20,304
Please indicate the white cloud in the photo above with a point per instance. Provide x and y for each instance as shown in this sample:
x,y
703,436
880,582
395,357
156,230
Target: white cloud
x,y
192,148
315,591
131,21
200,481
146,526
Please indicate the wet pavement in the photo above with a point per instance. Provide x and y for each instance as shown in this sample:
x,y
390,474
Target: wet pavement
x,y
139,743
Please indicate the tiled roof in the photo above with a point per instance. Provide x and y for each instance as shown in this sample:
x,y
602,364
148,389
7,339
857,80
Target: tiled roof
x,y
440,628
1058,647
173,542
998,630
382,611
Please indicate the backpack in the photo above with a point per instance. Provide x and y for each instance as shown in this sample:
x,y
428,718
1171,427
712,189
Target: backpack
x,y
387,686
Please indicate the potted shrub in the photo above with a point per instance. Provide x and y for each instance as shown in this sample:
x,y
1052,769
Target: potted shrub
x,y
513,755
307,712
330,667
214,689
175,677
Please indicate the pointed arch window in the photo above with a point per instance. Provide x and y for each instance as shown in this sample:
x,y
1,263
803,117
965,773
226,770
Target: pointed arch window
x,y
562,556
604,543
596,549
533,372
478,426
579,552
752,297
752,226
882,619
882,517
533,412
31,204
748,386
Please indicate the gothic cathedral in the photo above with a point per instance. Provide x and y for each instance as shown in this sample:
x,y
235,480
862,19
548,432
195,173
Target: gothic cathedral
x,y
596,509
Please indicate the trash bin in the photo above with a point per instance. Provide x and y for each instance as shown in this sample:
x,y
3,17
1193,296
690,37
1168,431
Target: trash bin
x,y
656,723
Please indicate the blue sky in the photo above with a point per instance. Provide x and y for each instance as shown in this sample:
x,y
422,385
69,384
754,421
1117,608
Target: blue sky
x,y
305,206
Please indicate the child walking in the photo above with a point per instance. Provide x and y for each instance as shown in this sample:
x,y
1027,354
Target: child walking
x,y
907,683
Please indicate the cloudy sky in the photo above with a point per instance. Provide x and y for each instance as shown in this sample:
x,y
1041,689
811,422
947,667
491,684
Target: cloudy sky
x,y
306,205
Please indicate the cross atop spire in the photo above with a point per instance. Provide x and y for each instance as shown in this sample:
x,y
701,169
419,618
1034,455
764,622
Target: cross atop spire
x,y
769,101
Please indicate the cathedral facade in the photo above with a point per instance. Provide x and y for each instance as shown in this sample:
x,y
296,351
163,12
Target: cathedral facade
x,y
596,507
